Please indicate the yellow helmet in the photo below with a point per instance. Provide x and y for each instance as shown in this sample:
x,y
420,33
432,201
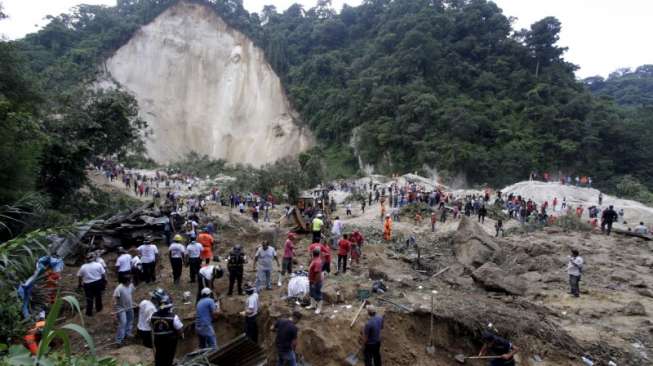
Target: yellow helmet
x,y
178,238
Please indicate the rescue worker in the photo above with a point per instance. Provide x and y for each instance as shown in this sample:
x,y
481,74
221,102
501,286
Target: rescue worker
x,y
286,339
371,337
166,330
206,240
251,313
316,228
145,310
207,310
207,276
497,346
387,228
263,257
288,254
92,279
194,252
316,280
235,265
608,217
149,255
123,263
33,336
176,252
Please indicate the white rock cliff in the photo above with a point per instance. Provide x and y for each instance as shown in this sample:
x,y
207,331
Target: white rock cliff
x,y
204,87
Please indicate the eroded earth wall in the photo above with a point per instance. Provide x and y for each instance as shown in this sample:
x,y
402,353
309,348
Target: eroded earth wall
x,y
205,87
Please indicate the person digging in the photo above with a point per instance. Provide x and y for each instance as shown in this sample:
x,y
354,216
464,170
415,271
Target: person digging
x,y
498,350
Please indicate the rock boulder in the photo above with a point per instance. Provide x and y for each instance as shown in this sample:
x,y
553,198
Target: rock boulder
x,y
492,278
473,247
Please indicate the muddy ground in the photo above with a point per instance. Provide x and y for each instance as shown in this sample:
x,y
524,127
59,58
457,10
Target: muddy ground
x,y
517,283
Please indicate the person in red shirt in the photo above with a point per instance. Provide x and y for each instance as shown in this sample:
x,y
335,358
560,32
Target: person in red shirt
x,y
325,249
344,246
315,281
288,254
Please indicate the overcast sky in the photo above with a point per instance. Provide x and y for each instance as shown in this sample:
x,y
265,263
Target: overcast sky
x,y
602,35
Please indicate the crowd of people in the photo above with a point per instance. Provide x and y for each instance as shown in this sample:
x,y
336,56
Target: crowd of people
x,y
191,245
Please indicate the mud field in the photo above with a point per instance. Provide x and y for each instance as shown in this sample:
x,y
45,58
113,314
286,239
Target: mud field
x,y
517,283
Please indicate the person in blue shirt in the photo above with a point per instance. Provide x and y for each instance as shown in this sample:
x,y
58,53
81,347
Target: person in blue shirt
x,y
207,310
372,338
286,340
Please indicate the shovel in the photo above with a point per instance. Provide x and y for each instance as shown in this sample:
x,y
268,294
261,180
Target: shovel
x,y
352,359
430,349
462,358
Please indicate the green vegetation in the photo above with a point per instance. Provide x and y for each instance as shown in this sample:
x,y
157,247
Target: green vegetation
x,y
448,84
629,187
285,177
445,83
631,88
51,134
18,355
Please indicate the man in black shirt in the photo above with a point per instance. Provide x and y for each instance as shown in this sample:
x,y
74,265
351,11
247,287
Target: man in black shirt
x,y
235,263
497,346
287,339
607,218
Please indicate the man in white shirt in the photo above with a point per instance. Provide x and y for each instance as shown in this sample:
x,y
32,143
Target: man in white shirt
x,y
123,263
574,270
137,270
194,252
92,278
176,252
641,229
145,310
206,276
149,253
336,231
98,258
251,312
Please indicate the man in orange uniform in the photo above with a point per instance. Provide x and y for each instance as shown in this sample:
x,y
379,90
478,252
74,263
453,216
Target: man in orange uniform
x,y
33,336
206,240
387,228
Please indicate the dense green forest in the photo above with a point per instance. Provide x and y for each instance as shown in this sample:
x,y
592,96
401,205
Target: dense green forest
x,y
49,138
446,84
630,88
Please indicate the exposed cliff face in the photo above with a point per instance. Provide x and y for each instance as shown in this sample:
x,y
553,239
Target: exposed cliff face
x,y
205,87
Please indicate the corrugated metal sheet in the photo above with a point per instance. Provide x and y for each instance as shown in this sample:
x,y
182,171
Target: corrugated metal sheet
x,y
240,351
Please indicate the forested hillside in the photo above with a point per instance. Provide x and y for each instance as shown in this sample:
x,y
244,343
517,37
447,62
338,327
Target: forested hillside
x,y
450,85
442,83
630,88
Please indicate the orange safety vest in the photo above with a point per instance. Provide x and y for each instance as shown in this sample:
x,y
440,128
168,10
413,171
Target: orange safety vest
x,y
31,341
207,245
